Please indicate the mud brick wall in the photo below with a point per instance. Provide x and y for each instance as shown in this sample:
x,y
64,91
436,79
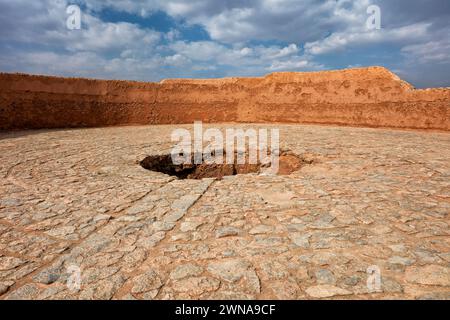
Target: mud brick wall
x,y
373,97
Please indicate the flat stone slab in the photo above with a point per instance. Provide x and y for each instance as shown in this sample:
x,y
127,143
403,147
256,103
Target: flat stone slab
x,y
81,219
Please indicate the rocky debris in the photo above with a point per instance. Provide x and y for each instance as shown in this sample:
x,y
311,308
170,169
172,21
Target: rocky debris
x,y
233,270
433,275
352,281
391,286
9,263
227,232
285,290
261,229
229,270
273,269
325,276
152,240
105,289
401,260
148,281
187,226
26,292
196,286
326,291
4,287
48,276
300,240
434,296
186,270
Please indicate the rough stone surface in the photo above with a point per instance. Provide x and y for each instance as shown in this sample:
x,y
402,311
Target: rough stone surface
x,y
326,291
146,282
185,270
227,232
229,270
78,200
429,275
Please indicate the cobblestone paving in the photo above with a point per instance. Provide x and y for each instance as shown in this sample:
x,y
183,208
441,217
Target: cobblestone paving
x,y
79,198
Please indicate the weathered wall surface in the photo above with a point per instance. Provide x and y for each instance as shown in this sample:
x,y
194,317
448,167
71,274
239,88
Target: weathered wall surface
x,y
51,102
362,97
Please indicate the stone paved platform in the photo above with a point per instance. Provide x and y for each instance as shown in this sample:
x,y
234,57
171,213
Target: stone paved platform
x,y
79,198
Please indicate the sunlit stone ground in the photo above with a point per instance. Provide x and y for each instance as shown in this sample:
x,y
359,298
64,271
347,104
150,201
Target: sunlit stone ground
x,y
77,198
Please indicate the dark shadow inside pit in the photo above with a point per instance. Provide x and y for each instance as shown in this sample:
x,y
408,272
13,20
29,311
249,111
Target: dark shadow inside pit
x,y
288,163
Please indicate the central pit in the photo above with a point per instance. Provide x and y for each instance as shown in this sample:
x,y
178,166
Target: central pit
x,y
289,162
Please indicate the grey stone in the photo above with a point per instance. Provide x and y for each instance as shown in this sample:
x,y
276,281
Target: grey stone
x,y
434,296
187,226
231,295
391,286
26,292
253,282
151,241
185,202
429,275
300,240
323,221
273,269
229,270
325,276
195,286
150,295
106,289
227,232
268,241
96,274
427,256
185,270
401,261
62,232
147,281
4,287
352,280
261,229
48,276
326,291
9,263
163,226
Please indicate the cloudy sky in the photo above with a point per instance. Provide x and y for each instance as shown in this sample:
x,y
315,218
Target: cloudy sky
x,y
155,39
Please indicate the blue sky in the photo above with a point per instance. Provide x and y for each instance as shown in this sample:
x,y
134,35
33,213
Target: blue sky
x,y
151,40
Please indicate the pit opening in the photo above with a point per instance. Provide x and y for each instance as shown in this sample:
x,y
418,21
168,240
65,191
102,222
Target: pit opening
x,y
288,163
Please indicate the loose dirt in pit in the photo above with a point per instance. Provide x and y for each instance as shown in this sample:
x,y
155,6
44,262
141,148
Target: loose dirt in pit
x,y
288,163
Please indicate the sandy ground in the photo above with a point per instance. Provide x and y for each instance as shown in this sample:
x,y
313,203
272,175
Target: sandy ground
x,y
79,199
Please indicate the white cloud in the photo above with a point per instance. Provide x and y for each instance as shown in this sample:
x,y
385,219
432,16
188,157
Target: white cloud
x,y
233,21
172,35
103,36
231,25
351,38
432,52
199,51
295,64
45,25
287,51
266,58
123,50
177,60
